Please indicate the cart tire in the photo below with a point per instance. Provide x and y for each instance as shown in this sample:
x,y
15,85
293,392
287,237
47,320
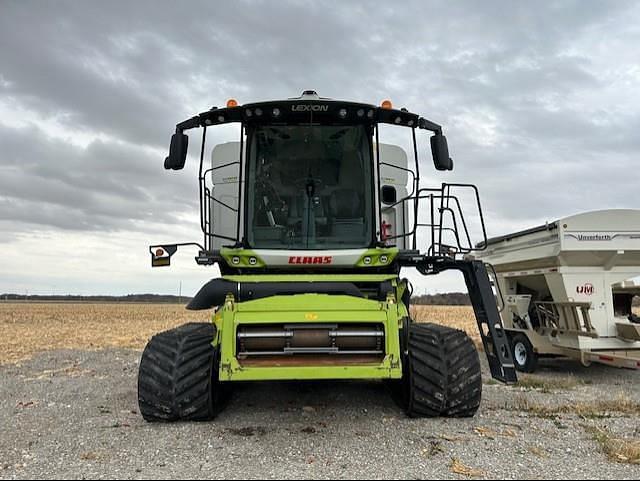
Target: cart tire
x,y
525,358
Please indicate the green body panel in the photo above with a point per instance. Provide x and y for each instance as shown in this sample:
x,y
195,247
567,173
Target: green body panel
x,y
313,309
310,277
377,255
242,256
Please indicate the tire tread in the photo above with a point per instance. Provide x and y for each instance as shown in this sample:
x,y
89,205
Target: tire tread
x,y
442,371
177,378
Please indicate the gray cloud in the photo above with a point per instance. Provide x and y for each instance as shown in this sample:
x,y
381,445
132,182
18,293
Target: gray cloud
x,y
539,102
107,185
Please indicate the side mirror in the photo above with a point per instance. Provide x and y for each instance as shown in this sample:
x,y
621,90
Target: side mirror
x,y
440,152
177,152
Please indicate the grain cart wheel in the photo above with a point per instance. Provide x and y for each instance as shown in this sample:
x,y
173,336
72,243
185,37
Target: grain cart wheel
x,y
524,357
178,376
442,375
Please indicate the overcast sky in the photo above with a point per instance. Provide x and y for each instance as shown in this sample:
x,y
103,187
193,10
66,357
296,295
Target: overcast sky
x,y
540,102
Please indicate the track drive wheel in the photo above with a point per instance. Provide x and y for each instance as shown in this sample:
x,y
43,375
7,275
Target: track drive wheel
x,y
178,375
442,375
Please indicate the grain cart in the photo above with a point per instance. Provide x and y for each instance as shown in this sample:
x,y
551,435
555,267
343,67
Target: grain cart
x,y
569,289
310,220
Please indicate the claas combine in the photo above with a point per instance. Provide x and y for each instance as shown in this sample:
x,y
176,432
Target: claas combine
x,y
311,220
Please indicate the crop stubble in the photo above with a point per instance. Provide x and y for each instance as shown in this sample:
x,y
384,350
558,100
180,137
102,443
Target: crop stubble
x,y
29,328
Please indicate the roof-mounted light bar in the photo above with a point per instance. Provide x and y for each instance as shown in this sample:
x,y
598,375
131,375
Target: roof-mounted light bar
x,y
303,111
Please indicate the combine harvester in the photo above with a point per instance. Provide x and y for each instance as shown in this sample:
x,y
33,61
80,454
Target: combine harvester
x,y
310,220
568,288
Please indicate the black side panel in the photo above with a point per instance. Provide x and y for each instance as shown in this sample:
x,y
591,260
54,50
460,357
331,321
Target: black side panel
x,y
494,339
214,292
259,290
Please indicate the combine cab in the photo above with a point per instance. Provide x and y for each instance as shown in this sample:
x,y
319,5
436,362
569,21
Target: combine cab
x,y
310,220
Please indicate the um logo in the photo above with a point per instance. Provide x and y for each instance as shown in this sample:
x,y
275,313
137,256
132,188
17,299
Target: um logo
x,y
586,289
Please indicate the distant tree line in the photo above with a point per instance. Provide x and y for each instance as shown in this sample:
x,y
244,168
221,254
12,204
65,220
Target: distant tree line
x,y
71,298
446,299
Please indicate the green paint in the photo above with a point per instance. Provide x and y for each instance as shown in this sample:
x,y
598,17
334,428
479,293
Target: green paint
x,y
370,258
311,277
309,308
375,257
245,258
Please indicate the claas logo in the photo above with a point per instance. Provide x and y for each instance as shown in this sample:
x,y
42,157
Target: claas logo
x,y
309,260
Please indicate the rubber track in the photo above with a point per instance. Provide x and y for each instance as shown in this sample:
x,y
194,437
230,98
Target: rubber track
x,y
177,378
443,370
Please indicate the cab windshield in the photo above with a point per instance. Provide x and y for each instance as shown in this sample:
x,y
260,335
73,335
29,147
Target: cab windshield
x,y
309,187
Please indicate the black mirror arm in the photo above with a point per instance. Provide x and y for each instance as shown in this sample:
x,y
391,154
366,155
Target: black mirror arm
x,y
428,125
192,123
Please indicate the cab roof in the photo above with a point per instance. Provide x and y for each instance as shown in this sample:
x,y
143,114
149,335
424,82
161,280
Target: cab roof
x,y
310,109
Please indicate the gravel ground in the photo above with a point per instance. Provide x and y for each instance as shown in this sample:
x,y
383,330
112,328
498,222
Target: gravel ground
x,y
73,414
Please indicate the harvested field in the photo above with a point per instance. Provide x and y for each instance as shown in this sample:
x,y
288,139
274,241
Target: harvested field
x,y
30,328
460,317
68,408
